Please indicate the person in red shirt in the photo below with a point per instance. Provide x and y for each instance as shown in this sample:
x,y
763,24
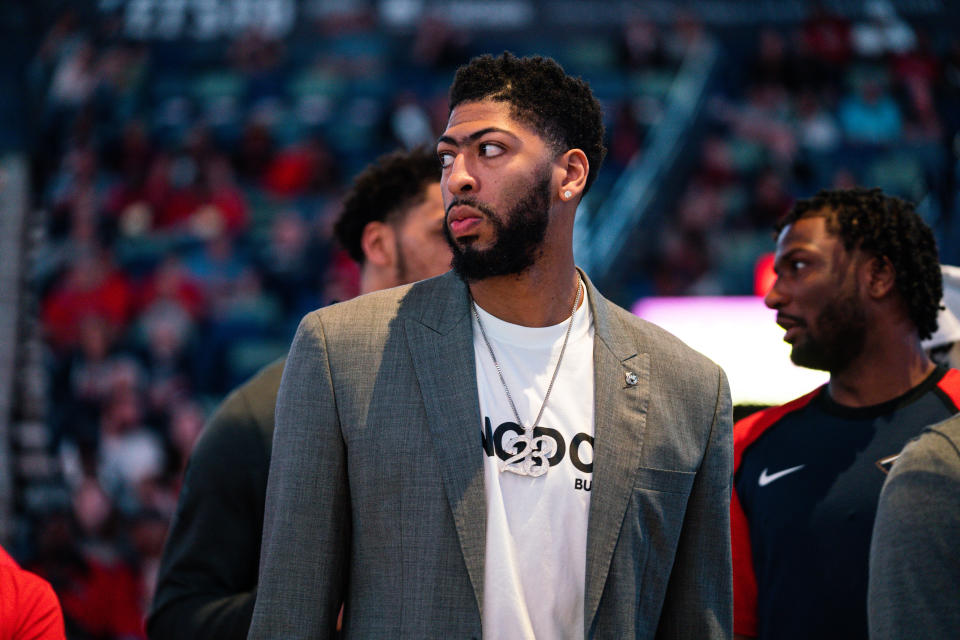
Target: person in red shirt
x,y
29,609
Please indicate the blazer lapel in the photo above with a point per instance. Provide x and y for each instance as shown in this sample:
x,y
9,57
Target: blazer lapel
x,y
620,406
440,338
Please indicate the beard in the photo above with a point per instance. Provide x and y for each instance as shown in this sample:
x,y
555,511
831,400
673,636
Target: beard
x,y
841,328
400,271
518,236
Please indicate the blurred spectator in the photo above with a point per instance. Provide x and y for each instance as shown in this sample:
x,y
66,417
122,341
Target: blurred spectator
x,y
688,33
948,91
684,266
437,44
870,115
410,123
171,283
258,57
92,286
770,200
627,136
186,423
77,192
75,77
172,190
130,157
291,263
223,207
641,45
82,382
147,532
167,331
716,164
215,267
882,32
130,453
774,65
95,515
825,36
99,593
302,168
254,152
817,128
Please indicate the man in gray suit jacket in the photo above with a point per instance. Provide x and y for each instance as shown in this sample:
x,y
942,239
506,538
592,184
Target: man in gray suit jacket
x,y
499,450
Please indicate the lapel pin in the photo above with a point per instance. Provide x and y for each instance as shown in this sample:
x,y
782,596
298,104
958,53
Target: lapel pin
x,y
631,378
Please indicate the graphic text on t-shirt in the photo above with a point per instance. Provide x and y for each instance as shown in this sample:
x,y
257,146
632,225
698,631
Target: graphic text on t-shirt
x,y
580,447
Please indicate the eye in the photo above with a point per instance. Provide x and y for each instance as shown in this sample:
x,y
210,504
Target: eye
x,y
798,265
445,158
490,150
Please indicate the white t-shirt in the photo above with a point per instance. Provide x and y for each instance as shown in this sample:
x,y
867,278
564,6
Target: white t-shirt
x,y
536,543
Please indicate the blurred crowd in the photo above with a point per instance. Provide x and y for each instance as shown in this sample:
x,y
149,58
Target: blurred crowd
x,y
189,199
188,228
829,102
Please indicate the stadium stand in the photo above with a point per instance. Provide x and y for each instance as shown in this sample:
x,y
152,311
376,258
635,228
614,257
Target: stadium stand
x,y
186,172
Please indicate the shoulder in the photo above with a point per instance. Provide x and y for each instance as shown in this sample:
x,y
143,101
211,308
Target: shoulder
x,y
749,429
948,430
430,301
240,431
688,386
253,402
924,487
936,450
364,325
364,310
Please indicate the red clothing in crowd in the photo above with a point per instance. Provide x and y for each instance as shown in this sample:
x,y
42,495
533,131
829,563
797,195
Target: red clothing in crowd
x,y
105,601
29,609
109,296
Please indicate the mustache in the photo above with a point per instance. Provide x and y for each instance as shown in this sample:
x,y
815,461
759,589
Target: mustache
x,y
471,202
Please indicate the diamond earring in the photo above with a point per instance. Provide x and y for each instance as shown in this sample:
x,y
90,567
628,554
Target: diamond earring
x,y
567,194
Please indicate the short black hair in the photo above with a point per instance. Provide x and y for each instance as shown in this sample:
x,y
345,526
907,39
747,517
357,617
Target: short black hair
x,y
559,107
886,227
383,192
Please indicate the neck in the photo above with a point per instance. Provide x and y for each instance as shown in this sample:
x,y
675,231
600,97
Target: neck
x,y
881,373
541,296
374,279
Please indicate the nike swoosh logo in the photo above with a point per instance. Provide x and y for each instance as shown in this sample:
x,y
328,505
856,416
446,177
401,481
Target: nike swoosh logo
x,y
767,479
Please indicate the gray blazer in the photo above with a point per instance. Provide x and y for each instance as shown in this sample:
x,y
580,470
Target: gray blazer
x,y
376,495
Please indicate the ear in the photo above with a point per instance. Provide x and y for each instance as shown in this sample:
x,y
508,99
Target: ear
x,y
879,277
575,168
377,242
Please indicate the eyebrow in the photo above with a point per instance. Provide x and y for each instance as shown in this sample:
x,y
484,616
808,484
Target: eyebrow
x,y
476,135
795,250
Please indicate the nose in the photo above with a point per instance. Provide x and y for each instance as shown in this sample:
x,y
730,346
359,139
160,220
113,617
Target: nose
x,y
775,297
460,179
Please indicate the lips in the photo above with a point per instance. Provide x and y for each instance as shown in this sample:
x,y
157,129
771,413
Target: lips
x,y
791,324
462,220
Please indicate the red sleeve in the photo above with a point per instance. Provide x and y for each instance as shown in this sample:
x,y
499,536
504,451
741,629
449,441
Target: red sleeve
x,y
745,433
41,617
744,580
950,385
29,609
